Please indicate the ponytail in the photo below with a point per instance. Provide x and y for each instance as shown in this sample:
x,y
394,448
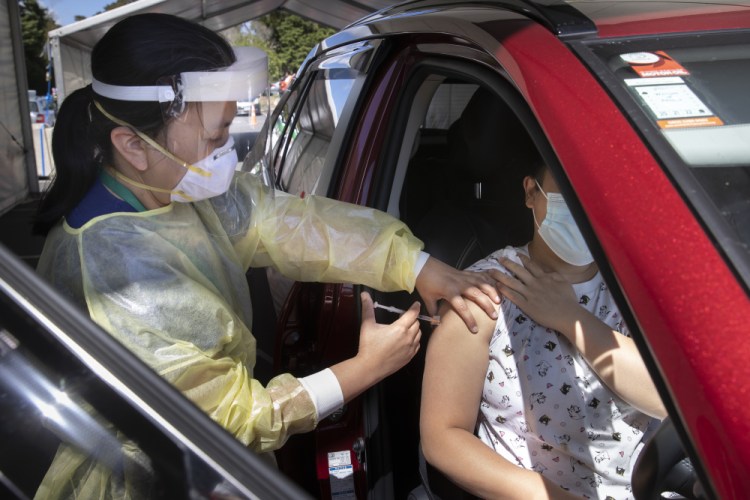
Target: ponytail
x,y
78,148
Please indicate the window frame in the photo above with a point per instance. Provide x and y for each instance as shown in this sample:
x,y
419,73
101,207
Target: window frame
x,y
348,56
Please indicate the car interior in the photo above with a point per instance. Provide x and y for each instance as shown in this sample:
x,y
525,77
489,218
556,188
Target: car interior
x,y
462,194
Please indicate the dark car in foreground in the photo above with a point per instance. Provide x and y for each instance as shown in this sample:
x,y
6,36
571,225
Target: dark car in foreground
x,y
63,380
641,111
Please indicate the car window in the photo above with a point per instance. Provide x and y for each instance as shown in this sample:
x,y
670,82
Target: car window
x,y
71,394
48,413
693,95
308,125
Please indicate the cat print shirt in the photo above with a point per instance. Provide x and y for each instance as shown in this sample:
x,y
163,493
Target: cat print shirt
x,y
543,408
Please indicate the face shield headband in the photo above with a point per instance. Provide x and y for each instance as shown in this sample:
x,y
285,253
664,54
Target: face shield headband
x,y
244,79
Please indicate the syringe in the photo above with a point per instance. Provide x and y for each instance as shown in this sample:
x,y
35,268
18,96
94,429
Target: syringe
x,y
433,320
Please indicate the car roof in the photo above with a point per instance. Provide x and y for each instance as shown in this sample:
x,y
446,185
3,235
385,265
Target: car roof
x,y
591,18
631,18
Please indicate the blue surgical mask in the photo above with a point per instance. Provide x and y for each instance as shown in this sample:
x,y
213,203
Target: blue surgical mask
x,y
560,232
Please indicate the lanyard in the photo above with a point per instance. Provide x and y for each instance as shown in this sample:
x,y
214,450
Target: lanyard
x,y
121,191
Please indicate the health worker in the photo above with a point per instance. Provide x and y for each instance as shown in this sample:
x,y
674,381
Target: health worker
x,y
151,229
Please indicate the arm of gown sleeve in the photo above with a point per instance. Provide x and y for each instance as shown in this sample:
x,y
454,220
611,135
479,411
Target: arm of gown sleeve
x,y
263,418
324,240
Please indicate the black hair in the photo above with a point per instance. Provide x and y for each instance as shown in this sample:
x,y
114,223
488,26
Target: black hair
x,y
536,166
139,50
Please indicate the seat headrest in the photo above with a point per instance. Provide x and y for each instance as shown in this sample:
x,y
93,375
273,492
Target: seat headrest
x,y
488,139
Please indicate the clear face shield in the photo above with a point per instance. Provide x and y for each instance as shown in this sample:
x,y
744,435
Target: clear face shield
x,y
199,109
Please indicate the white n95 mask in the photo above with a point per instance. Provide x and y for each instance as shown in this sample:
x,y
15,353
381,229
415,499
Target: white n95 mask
x,y
209,177
205,179
560,232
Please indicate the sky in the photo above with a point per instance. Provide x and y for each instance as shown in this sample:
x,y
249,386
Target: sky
x,y
64,11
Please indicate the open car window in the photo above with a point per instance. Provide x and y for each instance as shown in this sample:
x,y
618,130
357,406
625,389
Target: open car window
x,y
312,129
688,98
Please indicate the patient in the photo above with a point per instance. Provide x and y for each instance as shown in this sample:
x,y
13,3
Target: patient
x,y
560,407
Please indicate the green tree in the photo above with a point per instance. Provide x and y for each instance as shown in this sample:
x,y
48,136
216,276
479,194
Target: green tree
x,y
256,34
117,3
283,36
291,38
36,22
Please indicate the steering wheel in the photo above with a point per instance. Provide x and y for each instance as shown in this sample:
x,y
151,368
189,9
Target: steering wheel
x,y
663,466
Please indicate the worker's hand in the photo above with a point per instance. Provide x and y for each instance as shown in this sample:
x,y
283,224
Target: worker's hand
x,y
388,347
440,281
545,297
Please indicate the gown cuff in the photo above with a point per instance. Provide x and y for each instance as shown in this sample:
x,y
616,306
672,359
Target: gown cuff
x,y
325,392
421,261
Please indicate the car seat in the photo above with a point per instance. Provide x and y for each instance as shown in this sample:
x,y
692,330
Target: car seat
x,y
470,204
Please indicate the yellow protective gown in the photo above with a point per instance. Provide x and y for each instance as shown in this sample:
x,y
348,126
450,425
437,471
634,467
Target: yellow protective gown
x,y
170,284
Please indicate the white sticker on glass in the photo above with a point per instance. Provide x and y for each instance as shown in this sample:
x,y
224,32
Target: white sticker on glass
x,y
673,101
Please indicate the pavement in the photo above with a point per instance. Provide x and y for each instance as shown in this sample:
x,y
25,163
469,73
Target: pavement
x,y
245,130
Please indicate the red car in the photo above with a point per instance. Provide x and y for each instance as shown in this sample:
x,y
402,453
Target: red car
x,y
643,113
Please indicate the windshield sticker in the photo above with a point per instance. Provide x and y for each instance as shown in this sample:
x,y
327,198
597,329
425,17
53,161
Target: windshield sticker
x,y
651,64
708,121
677,106
665,80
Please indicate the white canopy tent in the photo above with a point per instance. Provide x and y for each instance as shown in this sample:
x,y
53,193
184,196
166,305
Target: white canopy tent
x,y
17,165
72,44
71,50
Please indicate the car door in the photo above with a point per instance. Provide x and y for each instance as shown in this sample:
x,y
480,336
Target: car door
x,y
379,152
457,187
66,386
309,326
389,149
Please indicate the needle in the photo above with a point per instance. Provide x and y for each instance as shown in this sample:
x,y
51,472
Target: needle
x,y
433,320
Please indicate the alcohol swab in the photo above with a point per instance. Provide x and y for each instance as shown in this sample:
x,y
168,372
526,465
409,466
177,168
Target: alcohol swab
x,y
433,320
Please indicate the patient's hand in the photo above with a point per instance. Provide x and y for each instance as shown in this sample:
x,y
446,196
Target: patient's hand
x,y
546,297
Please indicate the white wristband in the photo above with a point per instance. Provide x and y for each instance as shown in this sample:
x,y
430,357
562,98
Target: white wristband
x,y
421,261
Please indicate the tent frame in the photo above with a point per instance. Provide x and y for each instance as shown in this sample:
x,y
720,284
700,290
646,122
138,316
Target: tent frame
x,y
71,45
